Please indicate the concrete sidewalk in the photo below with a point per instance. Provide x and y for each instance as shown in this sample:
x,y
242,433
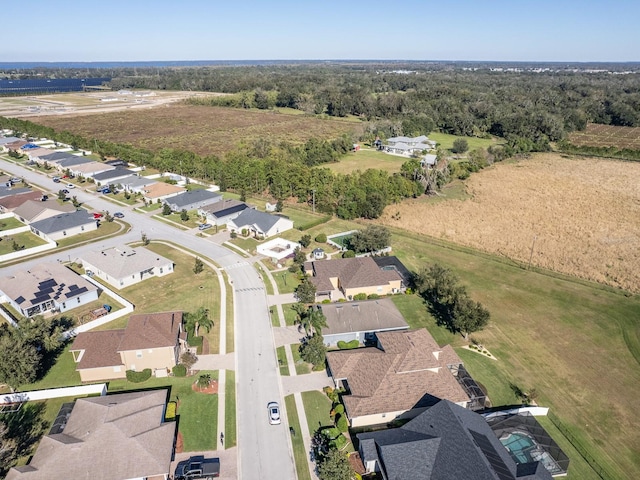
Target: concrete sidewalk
x,y
281,299
287,335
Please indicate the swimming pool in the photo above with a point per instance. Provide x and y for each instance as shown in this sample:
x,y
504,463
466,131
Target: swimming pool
x,y
520,446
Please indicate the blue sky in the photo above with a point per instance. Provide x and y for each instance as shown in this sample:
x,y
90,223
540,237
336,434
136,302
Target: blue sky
x,y
138,30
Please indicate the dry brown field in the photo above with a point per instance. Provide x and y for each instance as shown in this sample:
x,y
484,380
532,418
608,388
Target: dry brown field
x,y
607,136
578,216
200,129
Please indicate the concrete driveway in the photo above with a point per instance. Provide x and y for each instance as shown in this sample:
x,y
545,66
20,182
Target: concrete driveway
x,y
228,461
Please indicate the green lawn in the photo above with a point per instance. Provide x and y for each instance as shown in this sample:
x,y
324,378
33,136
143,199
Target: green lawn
x,y
300,455
230,410
290,316
282,360
317,407
445,141
197,411
301,216
230,316
25,240
365,159
302,367
105,229
175,220
151,207
182,290
415,313
62,374
265,279
247,244
10,223
286,281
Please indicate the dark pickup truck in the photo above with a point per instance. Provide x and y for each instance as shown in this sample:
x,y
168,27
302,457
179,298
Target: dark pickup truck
x,y
198,467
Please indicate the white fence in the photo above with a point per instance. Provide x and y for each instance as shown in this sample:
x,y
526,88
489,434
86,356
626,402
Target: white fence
x,y
50,245
21,397
535,411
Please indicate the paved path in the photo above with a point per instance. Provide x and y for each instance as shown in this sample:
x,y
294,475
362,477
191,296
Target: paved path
x,y
216,362
287,335
306,382
281,298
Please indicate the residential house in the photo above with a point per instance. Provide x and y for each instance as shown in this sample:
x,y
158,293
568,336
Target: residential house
x,y
33,210
348,277
7,189
70,162
45,288
429,160
444,442
407,146
159,191
55,157
192,200
125,266
112,177
399,378
90,169
221,212
135,184
64,225
259,224
35,154
154,341
360,320
111,437
10,202
5,141
15,145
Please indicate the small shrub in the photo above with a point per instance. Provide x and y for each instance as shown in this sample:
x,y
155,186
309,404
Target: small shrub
x,y
326,300
360,296
139,377
233,235
349,254
341,300
179,371
373,296
339,442
409,291
321,238
172,410
342,423
348,345
339,409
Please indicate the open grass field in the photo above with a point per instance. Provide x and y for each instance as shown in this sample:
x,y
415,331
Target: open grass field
x,y
10,223
578,216
365,159
200,129
607,136
445,141
25,240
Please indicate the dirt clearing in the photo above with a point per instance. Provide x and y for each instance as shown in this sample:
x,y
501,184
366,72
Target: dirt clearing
x,y
579,216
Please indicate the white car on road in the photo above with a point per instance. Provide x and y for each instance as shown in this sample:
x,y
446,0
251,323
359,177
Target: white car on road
x,y
274,413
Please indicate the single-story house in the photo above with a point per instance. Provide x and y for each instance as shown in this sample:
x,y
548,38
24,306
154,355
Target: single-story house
x,y
124,266
135,183
360,320
154,341
34,154
11,202
112,176
15,145
408,146
8,190
399,378
444,442
45,288
70,162
55,157
277,248
34,210
351,276
259,224
64,225
5,141
90,169
160,191
429,160
192,199
111,437
220,213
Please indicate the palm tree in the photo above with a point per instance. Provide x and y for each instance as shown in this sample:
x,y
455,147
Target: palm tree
x,y
316,320
197,319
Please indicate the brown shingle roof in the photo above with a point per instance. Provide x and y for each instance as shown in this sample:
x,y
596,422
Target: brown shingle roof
x,y
160,189
351,273
409,371
152,330
14,201
110,438
100,348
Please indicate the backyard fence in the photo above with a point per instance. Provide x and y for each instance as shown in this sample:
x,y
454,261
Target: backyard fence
x,y
601,472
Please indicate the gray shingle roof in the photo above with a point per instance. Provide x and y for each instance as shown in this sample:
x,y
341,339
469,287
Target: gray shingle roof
x,y
117,172
225,207
72,161
249,217
446,441
364,316
64,221
193,196
56,156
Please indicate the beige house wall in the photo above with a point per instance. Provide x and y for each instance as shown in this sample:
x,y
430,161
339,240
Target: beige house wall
x,y
129,280
72,231
153,358
389,289
102,373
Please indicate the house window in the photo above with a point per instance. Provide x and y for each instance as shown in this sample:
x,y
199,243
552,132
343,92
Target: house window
x,y
160,269
82,227
133,276
121,283
117,368
64,232
78,299
139,354
64,305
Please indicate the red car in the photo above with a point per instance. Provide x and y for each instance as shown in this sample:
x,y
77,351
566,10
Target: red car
x,y
97,215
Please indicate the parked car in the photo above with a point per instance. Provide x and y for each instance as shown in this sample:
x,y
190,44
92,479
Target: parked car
x,y
118,215
70,185
274,413
104,190
197,467
204,226
65,191
15,180
56,179
97,215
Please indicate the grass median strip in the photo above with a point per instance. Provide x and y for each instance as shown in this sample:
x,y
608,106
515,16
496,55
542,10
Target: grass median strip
x,y
300,455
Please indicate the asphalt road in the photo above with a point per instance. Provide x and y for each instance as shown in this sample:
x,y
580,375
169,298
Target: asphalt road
x,y
264,450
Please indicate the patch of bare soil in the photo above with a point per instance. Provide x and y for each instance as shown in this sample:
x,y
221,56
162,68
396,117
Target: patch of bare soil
x,y
579,216
211,389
